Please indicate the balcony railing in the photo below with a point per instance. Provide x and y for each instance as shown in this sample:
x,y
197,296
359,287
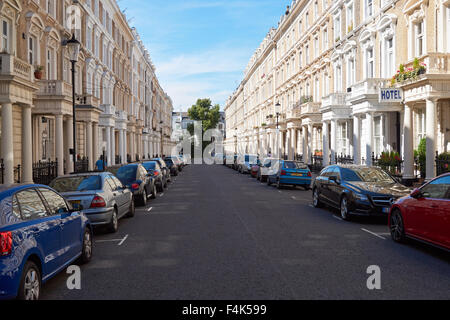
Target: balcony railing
x,y
369,86
13,66
88,100
309,108
54,88
436,63
108,109
334,99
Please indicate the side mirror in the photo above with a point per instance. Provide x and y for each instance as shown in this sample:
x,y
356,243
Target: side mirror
x,y
416,194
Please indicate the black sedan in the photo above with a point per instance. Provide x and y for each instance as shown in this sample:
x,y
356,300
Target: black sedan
x,y
155,170
165,169
173,167
139,181
357,190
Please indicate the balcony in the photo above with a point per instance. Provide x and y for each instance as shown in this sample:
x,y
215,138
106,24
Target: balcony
x,y
367,87
334,100
309,109
108,110
436,63
88,100
13,66
54,88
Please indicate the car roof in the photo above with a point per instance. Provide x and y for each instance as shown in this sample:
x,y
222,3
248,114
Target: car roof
x,y
9,190
84,174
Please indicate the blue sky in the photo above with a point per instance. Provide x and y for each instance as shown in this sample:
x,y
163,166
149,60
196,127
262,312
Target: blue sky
x,y
201,47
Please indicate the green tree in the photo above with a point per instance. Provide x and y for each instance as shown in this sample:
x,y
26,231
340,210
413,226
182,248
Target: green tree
x,y
205,112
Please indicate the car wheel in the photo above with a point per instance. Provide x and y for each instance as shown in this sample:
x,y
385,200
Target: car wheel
x,y
397,227
132,209
30,283
114,224
316,199
279,185
345,213
86,253
154,192
160,187
268,181
144,197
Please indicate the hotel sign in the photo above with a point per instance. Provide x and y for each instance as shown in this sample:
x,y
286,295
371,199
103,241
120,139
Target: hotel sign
x,y
391,95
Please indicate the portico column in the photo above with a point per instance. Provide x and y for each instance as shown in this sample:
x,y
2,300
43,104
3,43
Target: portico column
x,y
113,147
333,141
122,148
326,144
27,146
95,143
108,144
69,136
408,145
7,144
59,144
431,138
356,140
294,142
304,142
309,145
89,146
369,118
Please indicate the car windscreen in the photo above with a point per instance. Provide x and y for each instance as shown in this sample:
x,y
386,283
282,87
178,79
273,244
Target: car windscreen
x,y
365,175
168,161
127,174
295,165
77,183
149,165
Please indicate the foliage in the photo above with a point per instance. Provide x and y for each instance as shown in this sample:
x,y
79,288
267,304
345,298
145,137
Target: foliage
x,y
413,72
205,112
421,157
443,163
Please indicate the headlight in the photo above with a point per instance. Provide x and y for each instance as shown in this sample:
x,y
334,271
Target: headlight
x,y
361,197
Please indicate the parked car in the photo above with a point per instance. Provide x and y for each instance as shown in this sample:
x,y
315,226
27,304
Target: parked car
x,y
292,173
179,161
165,169
155,170
424,214
357,190
40,235
173,167
100,196
246,162
139,181
229,160
266,168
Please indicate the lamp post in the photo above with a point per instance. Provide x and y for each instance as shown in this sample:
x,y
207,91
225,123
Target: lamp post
x,y
277,108
235,141
73,46
161,130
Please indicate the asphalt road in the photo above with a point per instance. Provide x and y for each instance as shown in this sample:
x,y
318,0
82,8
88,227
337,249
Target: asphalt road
x,y
215,234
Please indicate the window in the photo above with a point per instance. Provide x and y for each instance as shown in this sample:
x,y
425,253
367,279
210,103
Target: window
x,y
31,205
420,124
316,47
378,135
55,202
307,54
419,36
326,85
338,78
369,63
343,141
325,39
316,90
438,189
369,8
15,208
316,10
5,36
51,68
31,48
389,58
337,28
349,17
350,72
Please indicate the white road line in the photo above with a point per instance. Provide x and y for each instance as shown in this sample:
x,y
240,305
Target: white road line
x,y
294,198
162,194
373,233
123,240
149,209
337,218
311,206
112,240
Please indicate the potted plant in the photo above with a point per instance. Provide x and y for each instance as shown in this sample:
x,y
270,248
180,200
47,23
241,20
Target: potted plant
x,y
38,72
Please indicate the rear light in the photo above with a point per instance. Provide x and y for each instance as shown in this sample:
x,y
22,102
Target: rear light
x,y
156,173
135,186
283,173
309,174
98,202
5,243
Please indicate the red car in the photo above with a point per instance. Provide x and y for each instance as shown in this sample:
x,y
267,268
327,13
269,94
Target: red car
x,y
254,170
424,215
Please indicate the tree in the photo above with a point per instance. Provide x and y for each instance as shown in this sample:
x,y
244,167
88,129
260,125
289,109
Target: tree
x,y
205,112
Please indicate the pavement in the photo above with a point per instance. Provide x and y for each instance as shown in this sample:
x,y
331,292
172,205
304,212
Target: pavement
x,y
216,234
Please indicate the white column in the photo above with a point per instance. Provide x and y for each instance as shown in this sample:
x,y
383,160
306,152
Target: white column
x,y
113,147
431,138
356,140
108,145
27,146
408,144
69,137
122,152
369,148
333,144
294,142
95,143
309,144
89,145
7,144
59,144
326,150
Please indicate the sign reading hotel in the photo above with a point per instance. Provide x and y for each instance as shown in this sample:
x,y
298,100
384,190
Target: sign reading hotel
x,y
391,95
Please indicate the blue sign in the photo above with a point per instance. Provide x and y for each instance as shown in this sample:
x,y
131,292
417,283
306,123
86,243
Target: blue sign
x,y
391,95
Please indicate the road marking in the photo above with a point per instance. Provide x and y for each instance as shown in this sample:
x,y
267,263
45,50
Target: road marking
x,y
162,194
294,198
279,191
312,206
373,233
149,209
111,240
336,217
123,240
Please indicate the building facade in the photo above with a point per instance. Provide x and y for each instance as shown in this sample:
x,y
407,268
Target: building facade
x,y
313,86
121,110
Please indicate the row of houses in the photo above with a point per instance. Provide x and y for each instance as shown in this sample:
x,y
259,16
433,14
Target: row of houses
x,y
348,77
122,112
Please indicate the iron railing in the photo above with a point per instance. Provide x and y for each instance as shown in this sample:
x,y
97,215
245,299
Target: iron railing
x,y
344,159
442,163
45,172
17,172
82,165
316,163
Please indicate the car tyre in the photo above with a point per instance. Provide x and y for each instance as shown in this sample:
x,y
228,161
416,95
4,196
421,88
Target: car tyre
x,y
345,212
132,210
279,185
113,226
144,197
154,192
397,227
30,282
86,254
268,181
316,199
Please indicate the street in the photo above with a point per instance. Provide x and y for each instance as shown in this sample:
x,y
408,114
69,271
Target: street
x,y
216,234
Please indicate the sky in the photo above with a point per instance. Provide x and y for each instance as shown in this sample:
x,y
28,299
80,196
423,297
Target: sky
x,y
200,48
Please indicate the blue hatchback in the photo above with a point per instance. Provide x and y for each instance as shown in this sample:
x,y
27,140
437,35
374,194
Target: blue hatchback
x,y
290,173
40,235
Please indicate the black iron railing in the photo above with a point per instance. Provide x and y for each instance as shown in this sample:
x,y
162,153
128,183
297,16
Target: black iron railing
x,y
442,163
316,164
344,159
17,172
118,159
45,172
82,165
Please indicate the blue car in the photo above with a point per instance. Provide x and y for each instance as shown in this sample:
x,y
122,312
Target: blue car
x,y
292,173
40,235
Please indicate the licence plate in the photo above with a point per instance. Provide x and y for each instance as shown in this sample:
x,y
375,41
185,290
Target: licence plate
x,y
386,210
297,174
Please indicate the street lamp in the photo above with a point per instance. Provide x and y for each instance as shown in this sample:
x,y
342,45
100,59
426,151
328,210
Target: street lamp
x,y
277,108
73,47
235,141
161,130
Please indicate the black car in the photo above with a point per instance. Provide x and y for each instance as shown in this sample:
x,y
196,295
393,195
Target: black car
x,y
173,167
155,170
165,169
139,181
357,190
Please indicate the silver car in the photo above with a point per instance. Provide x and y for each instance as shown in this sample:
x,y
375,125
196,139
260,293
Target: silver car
x,y
100,196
